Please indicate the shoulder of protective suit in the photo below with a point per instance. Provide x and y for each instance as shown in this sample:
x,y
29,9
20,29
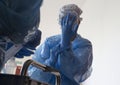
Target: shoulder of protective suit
x,y
82,41
53,40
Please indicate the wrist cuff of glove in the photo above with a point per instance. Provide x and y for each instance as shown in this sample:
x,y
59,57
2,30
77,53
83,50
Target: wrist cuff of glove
x,y
64,48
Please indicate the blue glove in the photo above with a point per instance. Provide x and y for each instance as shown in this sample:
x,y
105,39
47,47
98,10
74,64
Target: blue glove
x,y
69,25
31,45
23,52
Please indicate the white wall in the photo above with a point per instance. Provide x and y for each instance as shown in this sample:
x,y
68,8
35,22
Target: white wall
x,y
101,26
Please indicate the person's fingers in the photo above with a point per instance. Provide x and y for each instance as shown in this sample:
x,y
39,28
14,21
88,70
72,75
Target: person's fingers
x,y
73,18
75,28
67,19
76,24
62,21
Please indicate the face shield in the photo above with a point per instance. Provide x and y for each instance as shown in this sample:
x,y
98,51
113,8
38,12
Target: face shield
x,y
70,9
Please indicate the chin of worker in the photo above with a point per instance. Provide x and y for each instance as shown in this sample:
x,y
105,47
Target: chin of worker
x,y
67,52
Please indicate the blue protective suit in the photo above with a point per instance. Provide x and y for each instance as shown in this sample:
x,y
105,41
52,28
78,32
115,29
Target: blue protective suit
x,y
74,63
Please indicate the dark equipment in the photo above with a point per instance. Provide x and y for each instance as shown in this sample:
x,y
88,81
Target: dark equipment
x,y
8,79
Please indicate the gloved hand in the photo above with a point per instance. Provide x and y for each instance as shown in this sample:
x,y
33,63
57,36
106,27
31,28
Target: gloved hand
x,y
28,48
23,52
69,24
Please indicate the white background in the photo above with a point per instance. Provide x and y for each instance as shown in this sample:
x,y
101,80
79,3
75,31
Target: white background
x,y
101,25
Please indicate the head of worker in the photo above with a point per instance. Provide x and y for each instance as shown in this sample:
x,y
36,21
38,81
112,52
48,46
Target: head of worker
x,y
69,19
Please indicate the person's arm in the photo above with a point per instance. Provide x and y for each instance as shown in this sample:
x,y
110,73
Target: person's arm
x,y
41,55
75,63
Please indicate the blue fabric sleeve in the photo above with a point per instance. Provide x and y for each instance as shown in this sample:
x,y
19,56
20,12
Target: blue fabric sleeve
x,y
41,55
75,63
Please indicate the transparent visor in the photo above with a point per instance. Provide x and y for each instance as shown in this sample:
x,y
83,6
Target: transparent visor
x,y
65,13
